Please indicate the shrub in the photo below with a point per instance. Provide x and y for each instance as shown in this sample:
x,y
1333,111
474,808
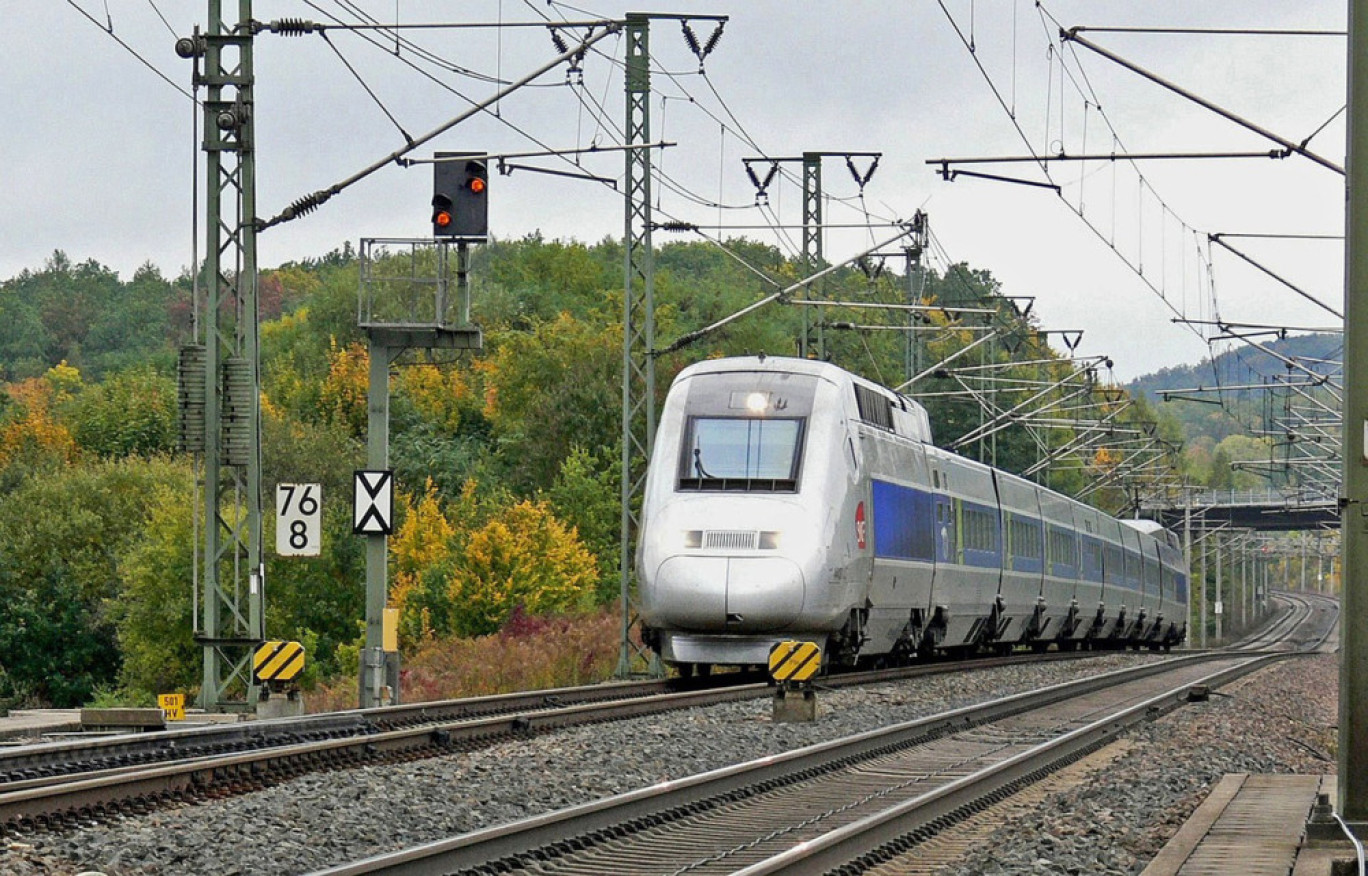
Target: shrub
x,y
530,653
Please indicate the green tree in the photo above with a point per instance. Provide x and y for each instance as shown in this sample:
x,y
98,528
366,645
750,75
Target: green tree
x,y
131,413
585,495
60,539
550,390
320,599
133,327
153,613
1225,474
530,281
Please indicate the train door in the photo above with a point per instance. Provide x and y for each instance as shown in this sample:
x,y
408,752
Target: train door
x,y
967,584
945,538
1154,586
1088,589
1120,601
1135,582
1023,566
1063,563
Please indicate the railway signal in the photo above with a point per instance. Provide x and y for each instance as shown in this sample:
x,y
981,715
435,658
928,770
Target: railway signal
x,y
460,201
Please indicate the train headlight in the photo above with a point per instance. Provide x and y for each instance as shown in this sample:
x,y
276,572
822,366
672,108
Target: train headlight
x,y
770,540
693,538
757,402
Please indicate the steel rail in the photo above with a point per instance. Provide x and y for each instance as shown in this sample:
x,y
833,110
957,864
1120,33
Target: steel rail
x,y
618,815
76,758
886,834
83,792
184,770
1281,628
50,759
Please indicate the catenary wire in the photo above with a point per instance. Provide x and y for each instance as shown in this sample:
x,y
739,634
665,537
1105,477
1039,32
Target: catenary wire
x,y
109,30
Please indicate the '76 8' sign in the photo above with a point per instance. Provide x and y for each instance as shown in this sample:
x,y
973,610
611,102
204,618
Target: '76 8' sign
x,y
299,520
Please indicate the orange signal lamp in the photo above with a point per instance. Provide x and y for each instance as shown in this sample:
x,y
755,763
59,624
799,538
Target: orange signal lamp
x,y
442,219
477,185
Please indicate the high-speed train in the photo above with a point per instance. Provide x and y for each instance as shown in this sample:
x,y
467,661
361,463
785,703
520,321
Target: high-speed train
x,y
789,499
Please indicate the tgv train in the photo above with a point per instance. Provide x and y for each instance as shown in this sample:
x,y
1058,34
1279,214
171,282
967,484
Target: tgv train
x,y
790,499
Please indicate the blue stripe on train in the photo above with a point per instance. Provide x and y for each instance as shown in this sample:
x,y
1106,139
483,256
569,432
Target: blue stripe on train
x,y
904,523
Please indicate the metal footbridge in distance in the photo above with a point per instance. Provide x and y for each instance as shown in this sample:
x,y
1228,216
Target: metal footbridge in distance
x,y
1270,510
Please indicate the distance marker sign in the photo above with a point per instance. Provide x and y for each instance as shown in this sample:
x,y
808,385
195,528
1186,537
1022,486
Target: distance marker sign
x,y
299,520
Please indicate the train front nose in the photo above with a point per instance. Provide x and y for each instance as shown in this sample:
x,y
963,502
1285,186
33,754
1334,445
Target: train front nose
x,y
726,594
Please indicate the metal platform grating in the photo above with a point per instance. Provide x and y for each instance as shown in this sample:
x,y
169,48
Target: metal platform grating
x,y
1251,825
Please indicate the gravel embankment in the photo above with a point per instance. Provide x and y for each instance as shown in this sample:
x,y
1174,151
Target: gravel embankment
x,y
1280,720
1280,723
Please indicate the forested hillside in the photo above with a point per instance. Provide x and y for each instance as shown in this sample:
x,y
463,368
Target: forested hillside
x,y
506,462
1222,402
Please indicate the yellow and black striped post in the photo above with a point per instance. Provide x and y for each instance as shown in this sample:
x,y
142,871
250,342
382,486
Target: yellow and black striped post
x,y
792,662
276,666
277,663
793,665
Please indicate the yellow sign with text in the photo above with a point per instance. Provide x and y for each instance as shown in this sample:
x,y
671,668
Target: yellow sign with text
x,y
172,705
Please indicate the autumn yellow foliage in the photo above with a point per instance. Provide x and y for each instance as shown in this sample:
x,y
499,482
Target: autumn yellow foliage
x,y
464,569
422,541
436,393
344,391
523,557
1106,458
31,428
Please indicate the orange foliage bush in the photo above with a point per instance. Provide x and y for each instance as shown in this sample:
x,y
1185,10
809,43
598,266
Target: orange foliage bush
x,y
529,653
31,428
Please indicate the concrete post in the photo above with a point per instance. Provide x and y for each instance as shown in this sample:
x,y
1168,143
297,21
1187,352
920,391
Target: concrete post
x,y
1353,688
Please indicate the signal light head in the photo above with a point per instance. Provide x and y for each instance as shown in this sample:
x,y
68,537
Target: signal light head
x,y
441,211
460,201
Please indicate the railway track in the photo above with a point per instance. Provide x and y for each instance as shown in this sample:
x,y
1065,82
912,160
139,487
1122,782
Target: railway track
x,y
868,797
50,785
1308,623
853,804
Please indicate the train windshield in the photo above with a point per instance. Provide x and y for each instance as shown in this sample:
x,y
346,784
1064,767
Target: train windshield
x,y
741,454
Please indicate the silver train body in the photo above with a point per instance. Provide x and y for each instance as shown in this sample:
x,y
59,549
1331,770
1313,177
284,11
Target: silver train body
x,y
789,499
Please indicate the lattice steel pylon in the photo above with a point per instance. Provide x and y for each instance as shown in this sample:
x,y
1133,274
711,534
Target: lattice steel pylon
x,y
638,313
230,619
813,342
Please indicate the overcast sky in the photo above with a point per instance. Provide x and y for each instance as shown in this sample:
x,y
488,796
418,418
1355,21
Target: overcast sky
x,y
97,151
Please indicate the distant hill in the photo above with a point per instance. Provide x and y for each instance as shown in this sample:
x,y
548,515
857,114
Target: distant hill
x,y
1244,366
1237,411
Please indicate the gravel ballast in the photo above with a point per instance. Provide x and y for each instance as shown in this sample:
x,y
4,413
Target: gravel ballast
x,y
1278,721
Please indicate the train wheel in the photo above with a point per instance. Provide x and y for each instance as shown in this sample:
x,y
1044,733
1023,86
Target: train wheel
x,y
686,670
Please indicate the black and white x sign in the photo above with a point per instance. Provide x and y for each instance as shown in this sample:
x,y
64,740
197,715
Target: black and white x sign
x,y
373,502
